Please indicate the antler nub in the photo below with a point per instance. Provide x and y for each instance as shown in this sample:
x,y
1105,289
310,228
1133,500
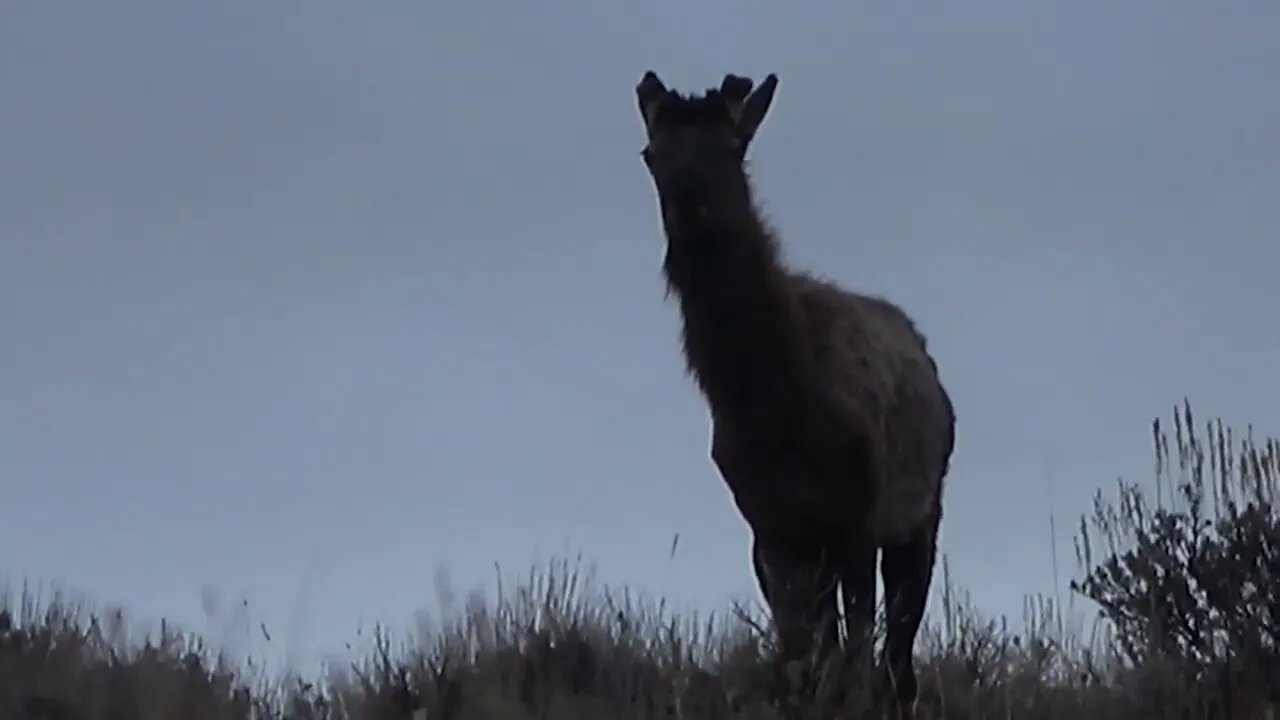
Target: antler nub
x,y
735,90
736,87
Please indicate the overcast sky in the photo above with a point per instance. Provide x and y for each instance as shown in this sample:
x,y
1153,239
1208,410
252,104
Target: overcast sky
x,y
302,301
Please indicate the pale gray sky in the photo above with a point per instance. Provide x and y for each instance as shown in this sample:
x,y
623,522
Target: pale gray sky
x,y
301,300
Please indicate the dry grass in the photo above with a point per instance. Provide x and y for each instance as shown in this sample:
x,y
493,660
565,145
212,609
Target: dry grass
x,y
1189,592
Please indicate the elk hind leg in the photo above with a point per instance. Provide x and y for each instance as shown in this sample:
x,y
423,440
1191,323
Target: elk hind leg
x,y
907,571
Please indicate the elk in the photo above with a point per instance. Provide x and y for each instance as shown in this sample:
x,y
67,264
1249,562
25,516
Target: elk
x,y
830,425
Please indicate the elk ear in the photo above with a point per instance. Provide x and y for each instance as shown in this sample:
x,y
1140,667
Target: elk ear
x,y
748,108
649,94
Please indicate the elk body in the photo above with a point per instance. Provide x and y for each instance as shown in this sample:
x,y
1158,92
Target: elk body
x,y
829,423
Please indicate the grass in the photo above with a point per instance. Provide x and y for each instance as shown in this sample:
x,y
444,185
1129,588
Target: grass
x,y
1188,594
557,645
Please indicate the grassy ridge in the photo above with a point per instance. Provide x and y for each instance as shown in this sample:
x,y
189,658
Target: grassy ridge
x,y
1187,585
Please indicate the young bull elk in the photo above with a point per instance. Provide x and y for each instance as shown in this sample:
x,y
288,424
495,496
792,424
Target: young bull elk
x,y
829,423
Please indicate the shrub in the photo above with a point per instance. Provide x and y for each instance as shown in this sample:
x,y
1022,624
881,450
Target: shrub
x,y
1190,586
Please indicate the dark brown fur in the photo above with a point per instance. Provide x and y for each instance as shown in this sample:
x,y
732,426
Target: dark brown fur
x,y
830,425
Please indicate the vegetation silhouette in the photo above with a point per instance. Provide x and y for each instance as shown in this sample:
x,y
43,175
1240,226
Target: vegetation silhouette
x,y
1185,576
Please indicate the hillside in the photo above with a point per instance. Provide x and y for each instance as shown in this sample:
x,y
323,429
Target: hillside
x,y
1183,571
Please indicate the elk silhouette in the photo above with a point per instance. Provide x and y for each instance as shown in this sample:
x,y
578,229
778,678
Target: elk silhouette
x,y
830,425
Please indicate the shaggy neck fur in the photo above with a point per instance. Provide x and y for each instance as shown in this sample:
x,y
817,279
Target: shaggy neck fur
x,y
743,332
